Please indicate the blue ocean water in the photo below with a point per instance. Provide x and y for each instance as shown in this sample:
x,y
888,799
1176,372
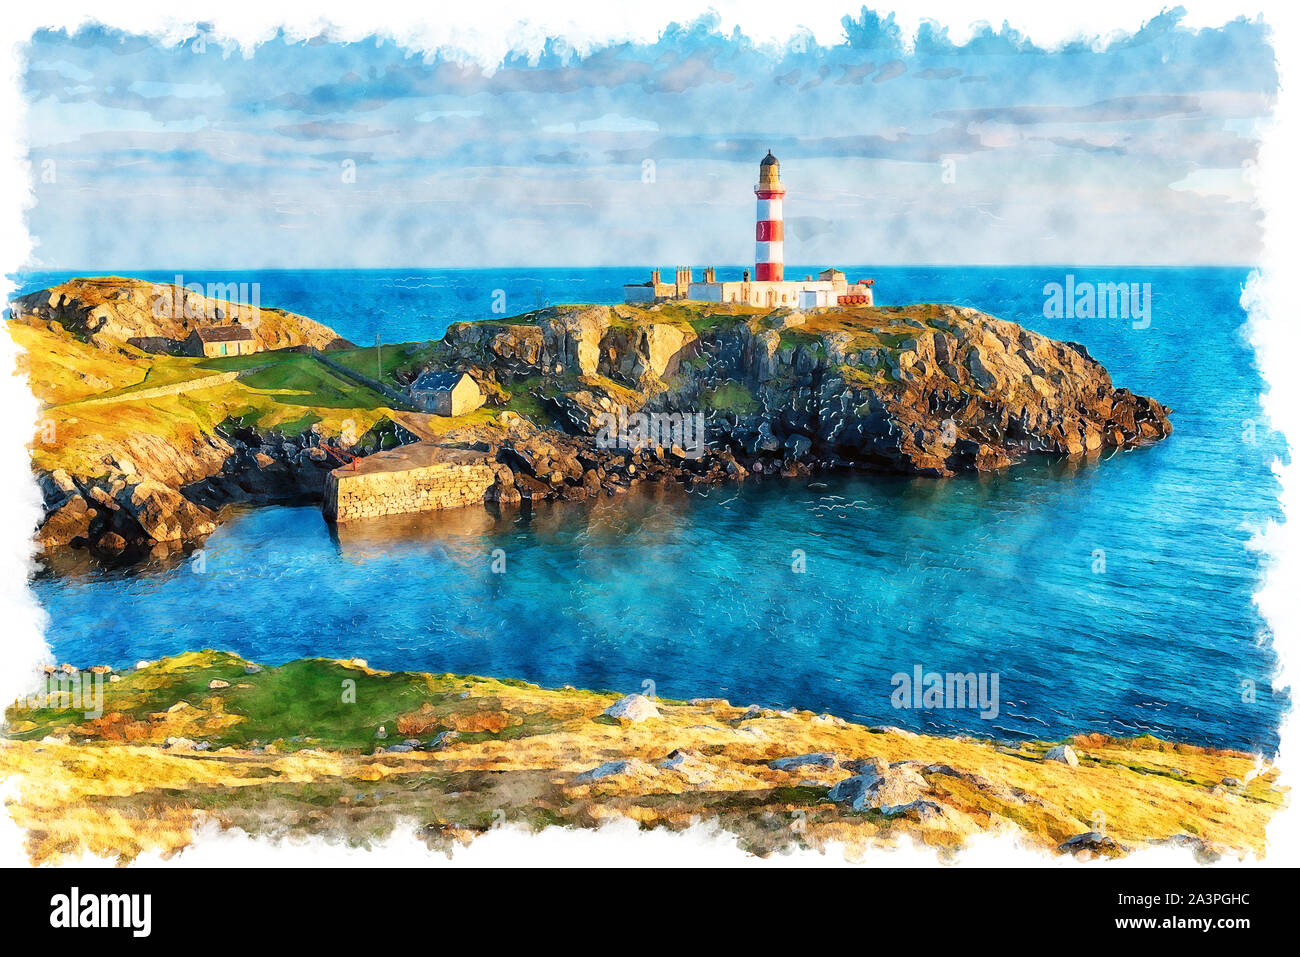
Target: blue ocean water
x,y
1112,596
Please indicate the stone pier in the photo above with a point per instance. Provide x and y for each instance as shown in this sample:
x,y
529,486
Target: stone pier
x,y
414,478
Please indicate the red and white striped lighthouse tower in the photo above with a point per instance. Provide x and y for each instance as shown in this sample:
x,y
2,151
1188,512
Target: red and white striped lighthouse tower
x,y
769,233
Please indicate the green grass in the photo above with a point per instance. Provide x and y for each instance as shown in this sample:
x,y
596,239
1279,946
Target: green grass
x,y
524,400
730,397
808,340
229,363
293,394
385,362
312,702
307,382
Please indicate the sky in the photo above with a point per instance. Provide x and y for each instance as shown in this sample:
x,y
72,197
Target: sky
x,y
895,149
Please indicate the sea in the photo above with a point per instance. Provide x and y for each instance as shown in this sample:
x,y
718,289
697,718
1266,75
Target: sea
x,y
1112,595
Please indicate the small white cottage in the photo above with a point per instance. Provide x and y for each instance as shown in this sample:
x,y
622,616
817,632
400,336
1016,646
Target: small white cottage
x,y
445,392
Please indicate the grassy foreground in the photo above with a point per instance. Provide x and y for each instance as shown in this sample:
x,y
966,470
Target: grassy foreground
x,y
288,751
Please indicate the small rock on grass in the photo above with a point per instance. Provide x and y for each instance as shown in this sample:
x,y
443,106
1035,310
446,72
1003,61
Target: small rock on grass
x,y
1063,753
890,792
1093,842
634,707
610,769
442,739
822,759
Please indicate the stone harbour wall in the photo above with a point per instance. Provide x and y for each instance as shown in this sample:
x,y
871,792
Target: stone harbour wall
x,y
350,496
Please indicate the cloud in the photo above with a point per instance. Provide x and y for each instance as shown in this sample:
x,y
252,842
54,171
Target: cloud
x,y
1122,110
890,70
462,162
333,131
608,123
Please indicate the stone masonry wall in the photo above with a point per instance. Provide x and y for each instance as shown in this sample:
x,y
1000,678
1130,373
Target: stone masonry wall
x,y
399,400
172,388
357,495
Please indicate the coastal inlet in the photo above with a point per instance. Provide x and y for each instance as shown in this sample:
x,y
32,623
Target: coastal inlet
x,y
1110,591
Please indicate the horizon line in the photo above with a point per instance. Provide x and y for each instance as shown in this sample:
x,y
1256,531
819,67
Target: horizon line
x,y
121,271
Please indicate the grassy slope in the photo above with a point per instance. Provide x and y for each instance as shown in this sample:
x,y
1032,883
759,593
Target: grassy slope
x,y
401,356
61,368
292,394
106,787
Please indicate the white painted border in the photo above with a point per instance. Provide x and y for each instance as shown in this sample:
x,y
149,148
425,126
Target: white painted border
x,y
486,31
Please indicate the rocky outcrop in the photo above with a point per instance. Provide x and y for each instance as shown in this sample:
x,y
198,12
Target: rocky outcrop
x,y
927,389
153,493
118,513
111,312
931,390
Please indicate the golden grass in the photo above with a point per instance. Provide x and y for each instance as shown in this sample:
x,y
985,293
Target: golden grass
x,y
522,748
292,394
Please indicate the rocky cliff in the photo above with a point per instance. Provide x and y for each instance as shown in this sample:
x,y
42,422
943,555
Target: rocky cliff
x,y
154,498
926,389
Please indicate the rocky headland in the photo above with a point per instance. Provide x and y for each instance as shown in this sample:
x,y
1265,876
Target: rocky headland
x,y
110,312
140,450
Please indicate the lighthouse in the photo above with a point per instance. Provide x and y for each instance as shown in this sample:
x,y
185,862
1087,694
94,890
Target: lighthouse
x,y
769,231
769,286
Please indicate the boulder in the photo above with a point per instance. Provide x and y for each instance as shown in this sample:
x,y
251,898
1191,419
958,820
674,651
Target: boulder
x,y
164,514
1063,753
821,759
797,446
633,708
660,347
611,769
67,523
887,792
110,543
1092,843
